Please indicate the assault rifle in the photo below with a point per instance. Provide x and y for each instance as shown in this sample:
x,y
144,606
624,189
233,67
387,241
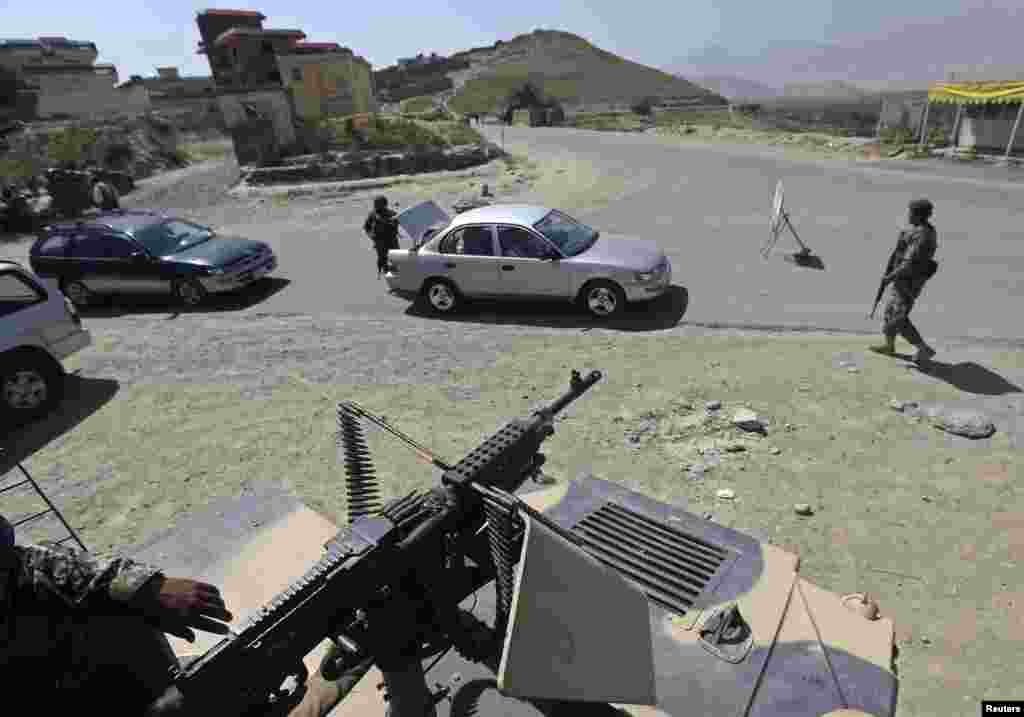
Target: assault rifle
x,y
388,589
890,265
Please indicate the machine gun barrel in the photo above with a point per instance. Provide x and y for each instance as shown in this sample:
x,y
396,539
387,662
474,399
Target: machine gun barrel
x,y
577,387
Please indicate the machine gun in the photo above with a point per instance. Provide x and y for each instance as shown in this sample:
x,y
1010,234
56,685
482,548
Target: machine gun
x,y
388,589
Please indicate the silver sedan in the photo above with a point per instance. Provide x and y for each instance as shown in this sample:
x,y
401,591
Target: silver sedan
x,y
522,251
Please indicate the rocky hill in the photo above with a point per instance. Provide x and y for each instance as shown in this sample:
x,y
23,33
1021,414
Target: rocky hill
x,y
563,66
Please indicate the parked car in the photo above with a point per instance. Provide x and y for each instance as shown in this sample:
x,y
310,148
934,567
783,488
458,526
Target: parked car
x,y
124,252
39,328
523,251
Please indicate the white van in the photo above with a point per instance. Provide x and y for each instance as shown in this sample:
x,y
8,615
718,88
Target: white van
x,y
39,328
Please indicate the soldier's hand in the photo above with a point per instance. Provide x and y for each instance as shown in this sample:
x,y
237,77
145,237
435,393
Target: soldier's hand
x,y
180,603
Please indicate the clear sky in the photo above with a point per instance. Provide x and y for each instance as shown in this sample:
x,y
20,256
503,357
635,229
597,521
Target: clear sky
x,y
139,35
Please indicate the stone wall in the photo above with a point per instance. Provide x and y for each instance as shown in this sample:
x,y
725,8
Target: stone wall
x,y
89,96
270,104
368,165
190,114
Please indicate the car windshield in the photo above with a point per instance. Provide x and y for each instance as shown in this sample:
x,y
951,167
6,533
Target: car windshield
x,y
171,237
570,236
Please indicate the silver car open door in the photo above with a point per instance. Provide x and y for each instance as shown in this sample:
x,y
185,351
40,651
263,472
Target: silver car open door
x,y
417,220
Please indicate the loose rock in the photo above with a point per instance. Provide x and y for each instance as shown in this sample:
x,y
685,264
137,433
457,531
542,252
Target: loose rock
x,y
902,406
735,448
713,405
711,455
803,509
726,493
697,470
852,369
775,451
972,424
747,420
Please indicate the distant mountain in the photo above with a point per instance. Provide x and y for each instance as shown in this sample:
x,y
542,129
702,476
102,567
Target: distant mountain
x,y
831,90
736,88
982,40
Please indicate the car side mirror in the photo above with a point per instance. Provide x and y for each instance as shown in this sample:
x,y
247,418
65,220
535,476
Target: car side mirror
x,y
140,257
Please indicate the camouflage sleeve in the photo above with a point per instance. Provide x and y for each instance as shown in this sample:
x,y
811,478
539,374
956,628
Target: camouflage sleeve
x,y
918,250
75,576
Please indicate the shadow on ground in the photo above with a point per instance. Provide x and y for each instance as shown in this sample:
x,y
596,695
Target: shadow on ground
x,y
665,312
82,398
966,376
251,295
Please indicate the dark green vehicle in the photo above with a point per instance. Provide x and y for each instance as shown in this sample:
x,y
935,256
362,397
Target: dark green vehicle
x,y
139,252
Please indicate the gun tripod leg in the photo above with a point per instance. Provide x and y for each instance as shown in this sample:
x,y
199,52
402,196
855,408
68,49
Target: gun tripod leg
x,y
407,692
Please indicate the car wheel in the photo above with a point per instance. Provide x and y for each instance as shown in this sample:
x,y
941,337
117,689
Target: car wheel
x,y
441,296
189,292
603,299
30,386
77,292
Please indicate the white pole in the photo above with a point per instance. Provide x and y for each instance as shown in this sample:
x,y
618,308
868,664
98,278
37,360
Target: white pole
x,y
924,122
956,125
1013,132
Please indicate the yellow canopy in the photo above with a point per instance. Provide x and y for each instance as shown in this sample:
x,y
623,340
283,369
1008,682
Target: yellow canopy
x,y
977,93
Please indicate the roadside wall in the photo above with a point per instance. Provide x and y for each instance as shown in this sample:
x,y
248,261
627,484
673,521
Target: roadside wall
x,y
89,96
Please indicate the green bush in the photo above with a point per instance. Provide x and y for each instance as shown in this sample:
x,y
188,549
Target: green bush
x,y
70,144
897,135
386,133
420,104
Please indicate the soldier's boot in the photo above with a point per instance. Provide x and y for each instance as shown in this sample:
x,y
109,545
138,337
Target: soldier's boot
x,y
924,353
886,349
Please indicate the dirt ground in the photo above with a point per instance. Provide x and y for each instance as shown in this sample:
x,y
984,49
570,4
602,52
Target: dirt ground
x,y
929,523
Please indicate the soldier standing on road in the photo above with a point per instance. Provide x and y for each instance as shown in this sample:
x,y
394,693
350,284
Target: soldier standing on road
x,y
80,634
912,265
382,228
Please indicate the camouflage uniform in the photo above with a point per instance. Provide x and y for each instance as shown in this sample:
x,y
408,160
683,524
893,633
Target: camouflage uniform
x,y
68,629
68,635
914,249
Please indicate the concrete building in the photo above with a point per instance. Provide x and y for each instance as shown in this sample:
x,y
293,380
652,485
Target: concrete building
x,y
420,60
327,79
15,55
66,80
189,102
214,23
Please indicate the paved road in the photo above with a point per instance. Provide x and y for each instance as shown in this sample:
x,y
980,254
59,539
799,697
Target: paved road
x,y
708,206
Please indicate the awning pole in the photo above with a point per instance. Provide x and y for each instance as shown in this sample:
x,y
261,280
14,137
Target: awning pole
x,y
1013,132
956,125
924,122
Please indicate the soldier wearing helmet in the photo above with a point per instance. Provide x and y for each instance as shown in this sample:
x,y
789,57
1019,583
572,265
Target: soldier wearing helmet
x,y
382,228
911,265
